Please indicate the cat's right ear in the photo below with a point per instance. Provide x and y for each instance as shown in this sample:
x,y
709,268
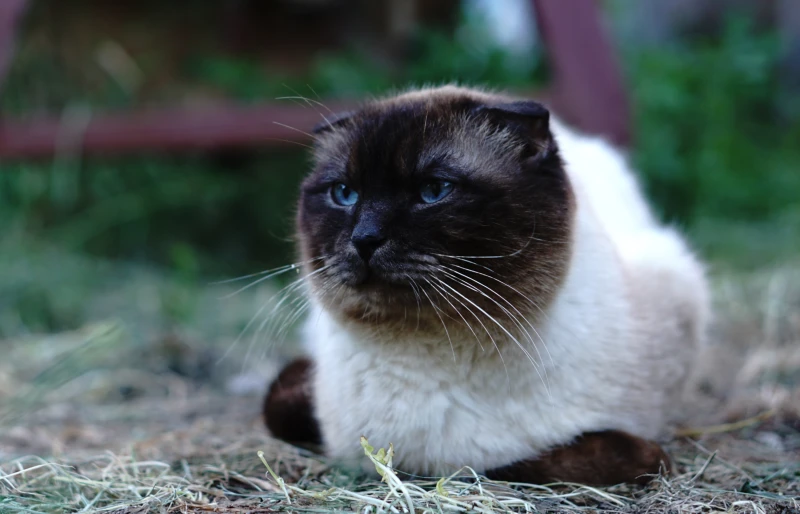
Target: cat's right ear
x,y
332,122
531,118
528,118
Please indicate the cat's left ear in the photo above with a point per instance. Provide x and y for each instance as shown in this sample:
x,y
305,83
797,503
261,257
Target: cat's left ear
x,y
528,118
332,122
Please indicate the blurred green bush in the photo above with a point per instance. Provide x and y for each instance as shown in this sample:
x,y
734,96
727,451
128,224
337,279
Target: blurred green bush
x,y
717,148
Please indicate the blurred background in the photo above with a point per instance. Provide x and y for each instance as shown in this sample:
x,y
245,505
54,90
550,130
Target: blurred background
x,y
149,150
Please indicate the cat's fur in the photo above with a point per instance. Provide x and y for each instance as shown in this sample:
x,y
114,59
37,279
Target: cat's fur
x,y
581,313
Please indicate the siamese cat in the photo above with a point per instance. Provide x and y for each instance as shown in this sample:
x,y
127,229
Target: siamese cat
x,y
490,289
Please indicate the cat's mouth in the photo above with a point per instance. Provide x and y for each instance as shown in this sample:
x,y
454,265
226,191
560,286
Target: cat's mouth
x,y
382,285
379,279
385,271
376,298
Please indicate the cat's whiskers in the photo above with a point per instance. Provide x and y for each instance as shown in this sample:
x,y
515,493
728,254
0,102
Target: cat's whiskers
x,y
278,326
485,328
333,301
473,280
444,325
276,330
499,325
540,369
267,274
269,320
302,307
414,287
445,295
319,98
296,143
283,292
272,272
310,102
266,338
293,128
425,123
514,289
512,254
473,285
464,259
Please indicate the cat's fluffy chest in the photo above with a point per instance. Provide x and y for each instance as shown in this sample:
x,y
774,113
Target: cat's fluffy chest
x,y
440,418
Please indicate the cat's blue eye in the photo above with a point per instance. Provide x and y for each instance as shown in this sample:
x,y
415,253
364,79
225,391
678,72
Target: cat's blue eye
x,y
344,195
435,190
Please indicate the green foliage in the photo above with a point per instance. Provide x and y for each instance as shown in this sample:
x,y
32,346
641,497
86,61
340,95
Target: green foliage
x,y
191,213
435,58
714,150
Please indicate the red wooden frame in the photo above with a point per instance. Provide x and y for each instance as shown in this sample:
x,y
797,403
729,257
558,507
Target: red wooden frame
x,y
10,16
588,87
587,90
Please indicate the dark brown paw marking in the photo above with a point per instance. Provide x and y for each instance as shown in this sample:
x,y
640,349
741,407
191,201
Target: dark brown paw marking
x,y
289,405
595,458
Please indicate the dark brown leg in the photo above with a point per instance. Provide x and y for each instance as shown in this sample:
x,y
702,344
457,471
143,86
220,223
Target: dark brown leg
x,y
595,458
288,406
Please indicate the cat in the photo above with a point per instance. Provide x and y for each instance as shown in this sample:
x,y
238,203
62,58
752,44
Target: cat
x,y
490,289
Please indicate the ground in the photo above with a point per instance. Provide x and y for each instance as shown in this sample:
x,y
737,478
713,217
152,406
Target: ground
x,y
128,415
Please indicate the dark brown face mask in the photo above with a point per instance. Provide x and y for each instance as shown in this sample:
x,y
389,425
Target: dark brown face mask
x,y
435,192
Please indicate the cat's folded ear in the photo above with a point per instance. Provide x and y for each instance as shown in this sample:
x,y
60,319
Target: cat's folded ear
x,y
527,111
332,122
526,117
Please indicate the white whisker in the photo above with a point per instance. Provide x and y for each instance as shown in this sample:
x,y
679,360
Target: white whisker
x,y
533,303
414,287
285,292
503,298
266,304
286,267
500,325
444,325
511,316
260,280
444,295
309,101
512,254
292,128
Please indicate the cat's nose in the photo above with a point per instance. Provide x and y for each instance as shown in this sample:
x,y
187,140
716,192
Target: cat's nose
x,y
366,242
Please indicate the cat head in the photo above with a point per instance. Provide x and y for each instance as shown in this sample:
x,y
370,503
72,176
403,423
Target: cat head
x,y
435,205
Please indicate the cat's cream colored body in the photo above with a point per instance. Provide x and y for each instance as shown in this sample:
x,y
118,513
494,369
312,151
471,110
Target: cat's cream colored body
x,y
613,349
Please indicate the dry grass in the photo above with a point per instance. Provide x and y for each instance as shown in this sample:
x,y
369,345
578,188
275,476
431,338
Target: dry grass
x,y
214,467
74,438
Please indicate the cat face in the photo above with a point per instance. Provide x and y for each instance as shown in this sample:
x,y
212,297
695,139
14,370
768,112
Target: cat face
x,y
441,202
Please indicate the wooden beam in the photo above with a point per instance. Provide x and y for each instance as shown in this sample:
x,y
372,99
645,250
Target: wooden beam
x,y
266,125
587,77
10,16
211,128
